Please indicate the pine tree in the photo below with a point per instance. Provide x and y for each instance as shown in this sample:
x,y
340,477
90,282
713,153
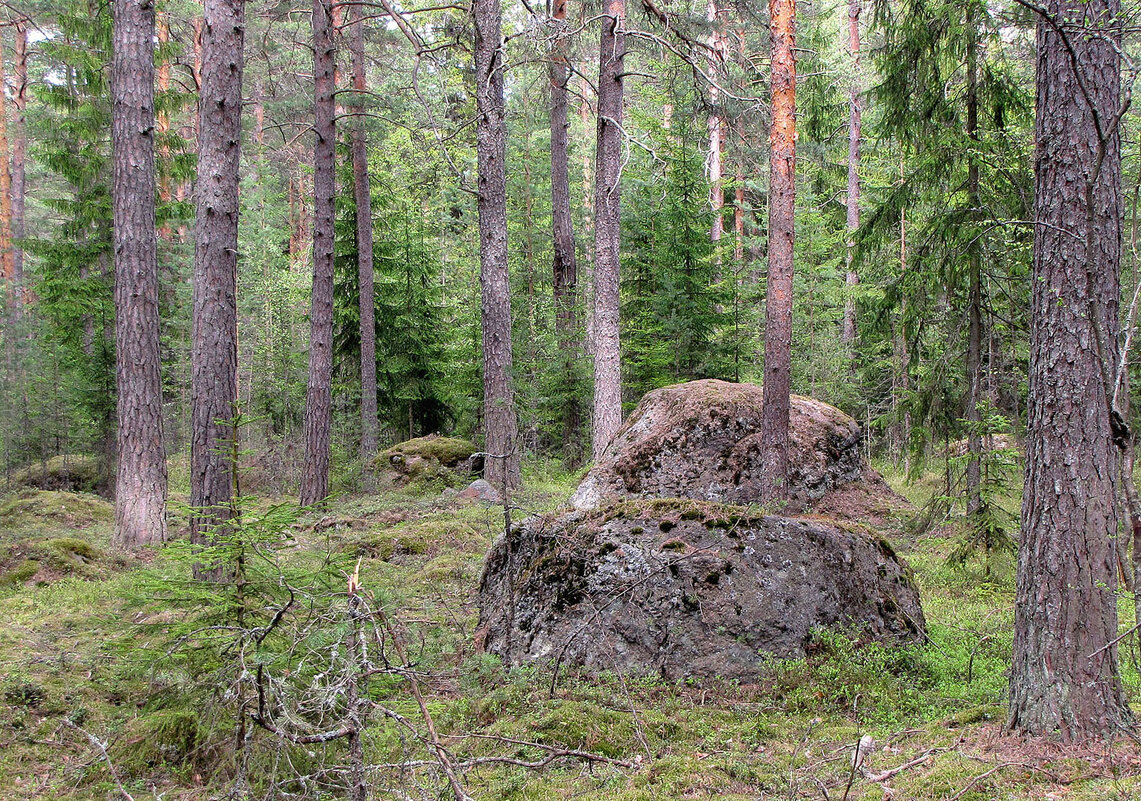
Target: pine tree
x,y
782,235
214,340
318,398
140,486
607,230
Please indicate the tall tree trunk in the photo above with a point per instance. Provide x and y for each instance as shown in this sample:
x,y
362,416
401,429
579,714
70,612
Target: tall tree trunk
x,y
7,257
855,108
214,338
1064,676
974,278
500,426
19,149
587,220
903,355
782,235
716,125
362,190
565,264
319,393
140,490
607,234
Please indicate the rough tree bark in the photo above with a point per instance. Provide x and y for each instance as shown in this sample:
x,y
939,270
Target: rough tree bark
x,y
974,279
716,126
782,205
500,426
607,234
318,395
7,257
362,190
140,490
565,263
214,335
855,109
19,149
1064,676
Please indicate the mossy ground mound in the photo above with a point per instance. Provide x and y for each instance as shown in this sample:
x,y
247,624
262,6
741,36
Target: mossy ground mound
x,y
47,535
430,462
39,509
70,472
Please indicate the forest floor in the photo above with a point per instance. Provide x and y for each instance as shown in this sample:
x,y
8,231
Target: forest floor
x,y
86,664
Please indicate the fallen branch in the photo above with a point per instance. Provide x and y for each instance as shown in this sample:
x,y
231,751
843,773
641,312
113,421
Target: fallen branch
x,y
101,747
887,774
1001,766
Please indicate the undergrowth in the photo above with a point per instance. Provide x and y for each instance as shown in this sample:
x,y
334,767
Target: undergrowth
x,y
122,654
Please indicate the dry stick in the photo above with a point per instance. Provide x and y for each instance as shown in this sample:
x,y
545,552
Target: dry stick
x,y
443,758
919,760
1115,640
966,788
101,747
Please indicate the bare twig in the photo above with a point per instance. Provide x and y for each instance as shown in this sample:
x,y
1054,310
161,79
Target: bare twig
x,y
101,747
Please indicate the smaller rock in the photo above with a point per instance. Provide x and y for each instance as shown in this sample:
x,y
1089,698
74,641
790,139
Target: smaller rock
x,y
427,460
481,490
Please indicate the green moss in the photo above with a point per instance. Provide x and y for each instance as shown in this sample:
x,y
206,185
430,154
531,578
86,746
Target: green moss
x,y
22,572
587,725
166,737
389,543
35,508
70,554
68,472
445,450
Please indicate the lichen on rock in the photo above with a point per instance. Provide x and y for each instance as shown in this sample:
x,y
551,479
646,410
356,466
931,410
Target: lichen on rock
x,y
666,565
689,589
702,440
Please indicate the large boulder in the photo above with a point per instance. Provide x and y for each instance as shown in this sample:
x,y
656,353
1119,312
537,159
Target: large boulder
x,y
702,440
429,459
684,588
666,565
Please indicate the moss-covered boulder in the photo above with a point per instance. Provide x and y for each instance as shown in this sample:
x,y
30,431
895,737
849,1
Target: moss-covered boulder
x,y
39,561
682,588
37,509
702,440
71,472
430,459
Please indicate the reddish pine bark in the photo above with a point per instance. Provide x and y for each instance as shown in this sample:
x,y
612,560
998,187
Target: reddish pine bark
x,y
140,490
1064,678
500,426
7,257
607,235
318,396
716,125
214,336
782,205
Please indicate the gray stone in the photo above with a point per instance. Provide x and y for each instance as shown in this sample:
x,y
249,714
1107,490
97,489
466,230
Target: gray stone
x,y
481,490
702,440
685,588
661,567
